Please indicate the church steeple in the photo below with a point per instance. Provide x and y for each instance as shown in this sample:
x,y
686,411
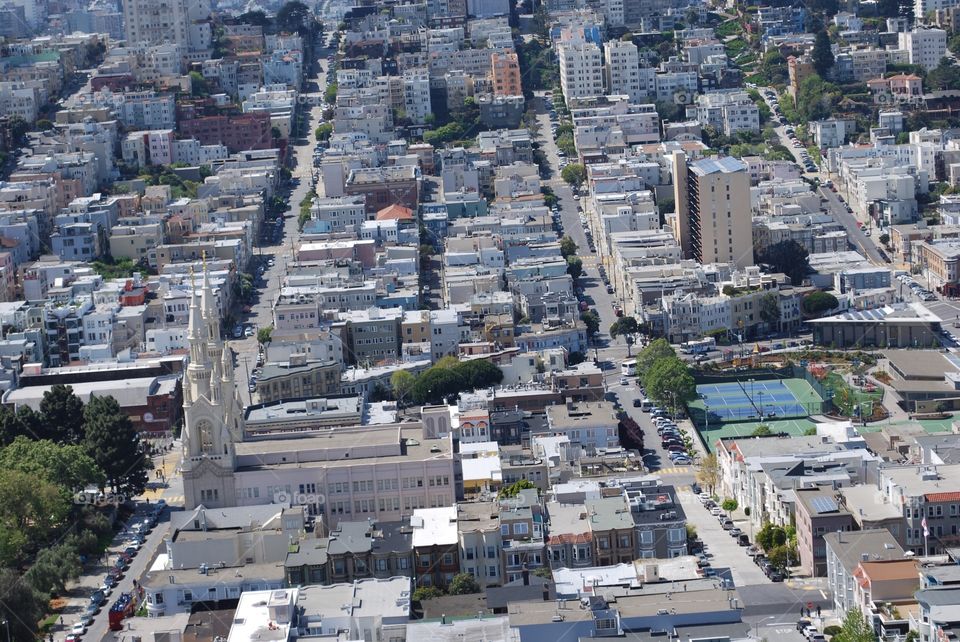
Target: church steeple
x,y
212,411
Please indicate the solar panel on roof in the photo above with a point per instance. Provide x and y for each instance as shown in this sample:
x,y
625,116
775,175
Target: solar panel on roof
x,y
824,504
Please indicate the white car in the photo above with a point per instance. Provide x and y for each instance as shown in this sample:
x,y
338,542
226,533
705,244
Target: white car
x,y
78,629
249,332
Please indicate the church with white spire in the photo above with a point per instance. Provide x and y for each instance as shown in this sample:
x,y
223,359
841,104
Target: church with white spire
x,y
213,414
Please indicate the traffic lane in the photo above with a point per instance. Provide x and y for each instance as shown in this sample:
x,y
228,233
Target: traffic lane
x,y
724,553
140,564
570,219
655,456
838,210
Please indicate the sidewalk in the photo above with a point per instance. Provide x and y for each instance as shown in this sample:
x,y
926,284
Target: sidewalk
x,y
166,464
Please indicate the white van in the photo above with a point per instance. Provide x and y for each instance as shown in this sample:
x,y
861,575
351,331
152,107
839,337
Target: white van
x,y
646,405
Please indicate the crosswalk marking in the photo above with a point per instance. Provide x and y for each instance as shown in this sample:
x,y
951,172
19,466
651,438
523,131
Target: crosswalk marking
x,y
673,470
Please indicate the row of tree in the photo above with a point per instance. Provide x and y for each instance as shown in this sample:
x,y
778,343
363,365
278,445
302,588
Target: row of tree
x,y
46,457
445,379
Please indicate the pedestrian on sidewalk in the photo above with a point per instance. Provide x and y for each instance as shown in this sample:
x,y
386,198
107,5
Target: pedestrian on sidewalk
x,y
818,611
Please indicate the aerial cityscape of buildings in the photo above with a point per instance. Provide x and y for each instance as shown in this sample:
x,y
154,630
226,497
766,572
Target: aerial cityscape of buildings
x,y
479,320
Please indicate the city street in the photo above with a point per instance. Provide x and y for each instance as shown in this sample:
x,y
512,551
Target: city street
x,y
267,286
834,205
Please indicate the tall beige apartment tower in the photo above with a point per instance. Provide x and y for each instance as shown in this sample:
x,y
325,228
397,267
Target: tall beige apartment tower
x,y
713,221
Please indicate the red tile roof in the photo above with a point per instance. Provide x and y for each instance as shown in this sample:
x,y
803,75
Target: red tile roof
x,y
943,497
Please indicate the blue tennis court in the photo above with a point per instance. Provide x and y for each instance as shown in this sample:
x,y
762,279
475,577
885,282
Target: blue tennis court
x,y
755,400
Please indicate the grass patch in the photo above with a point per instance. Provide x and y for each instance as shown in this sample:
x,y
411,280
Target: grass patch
x,y
728,28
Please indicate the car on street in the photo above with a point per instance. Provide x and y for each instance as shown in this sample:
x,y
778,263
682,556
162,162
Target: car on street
x,y
78,629
716,511
249,332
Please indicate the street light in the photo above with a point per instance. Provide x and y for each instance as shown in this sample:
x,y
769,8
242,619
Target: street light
x,y
756,625
6,625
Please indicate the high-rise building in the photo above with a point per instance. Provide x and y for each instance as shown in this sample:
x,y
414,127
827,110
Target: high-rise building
x,y
622,69
713,221
581,70
505,73
154,22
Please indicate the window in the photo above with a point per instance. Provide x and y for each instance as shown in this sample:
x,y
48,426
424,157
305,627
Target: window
x,y
646,537
447,559
520,528
504,529
424,561
491,552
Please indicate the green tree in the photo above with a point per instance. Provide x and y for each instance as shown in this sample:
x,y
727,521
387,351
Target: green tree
x,y
258,18
946,76
479,373
65,465
464,584
761,431
709,473
22,421
669,382
52,568
402,383
44,124
822,54
324,131
18,129
782,557
330,93
293,16
788,257
199,86
425,593
568,246
514,489
114,444
62,413
656,350
574,267
770,308
22,606
591,319
265,335
574,174
729,504
435,385
770,536
884,239
30,509
624,326
817,303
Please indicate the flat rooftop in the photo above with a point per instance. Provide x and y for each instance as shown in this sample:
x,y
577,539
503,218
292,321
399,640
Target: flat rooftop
x,y
342,448
707,600
366,598
434,526
920,364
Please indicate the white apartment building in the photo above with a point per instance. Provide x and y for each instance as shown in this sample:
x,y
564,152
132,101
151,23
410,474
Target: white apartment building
x,y
623,69
341,214
16,99
190,151
679,86
581,71
154,22
924,47
923,7
416,95
728,111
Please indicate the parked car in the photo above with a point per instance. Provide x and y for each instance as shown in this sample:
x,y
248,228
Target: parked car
x,y
735,532
683,461
727,524
802,624
716,511
78,629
